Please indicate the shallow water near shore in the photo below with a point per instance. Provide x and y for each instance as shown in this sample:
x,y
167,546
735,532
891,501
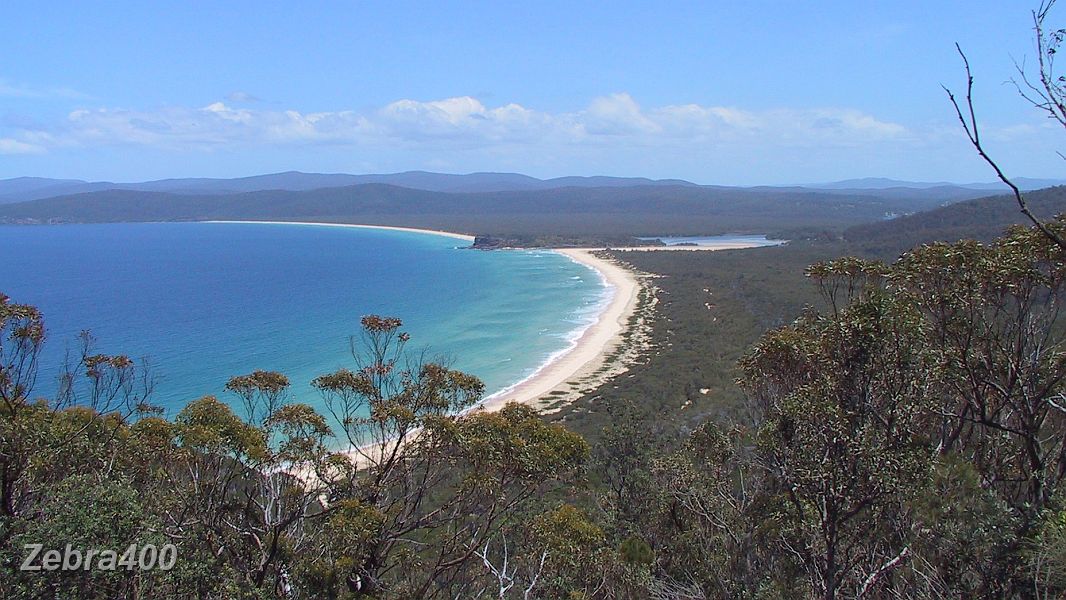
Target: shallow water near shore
x,y
206,301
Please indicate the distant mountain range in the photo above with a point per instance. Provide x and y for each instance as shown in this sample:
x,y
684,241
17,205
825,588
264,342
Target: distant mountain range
x,y
21,189
881,183
33,188
523,210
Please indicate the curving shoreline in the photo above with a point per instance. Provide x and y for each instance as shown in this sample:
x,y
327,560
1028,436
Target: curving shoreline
x,y
589,352
460,236
581,365
586,355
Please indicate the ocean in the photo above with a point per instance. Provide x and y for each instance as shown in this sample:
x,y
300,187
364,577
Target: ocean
x,y
202,302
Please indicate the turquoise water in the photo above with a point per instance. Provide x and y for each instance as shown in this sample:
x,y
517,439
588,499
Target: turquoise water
x,y
207,301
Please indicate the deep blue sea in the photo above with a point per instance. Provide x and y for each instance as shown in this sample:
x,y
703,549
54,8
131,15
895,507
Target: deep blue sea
x,y
207,301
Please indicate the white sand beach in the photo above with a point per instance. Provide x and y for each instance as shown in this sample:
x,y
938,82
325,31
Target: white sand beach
x,y
583,366
460,236
588,353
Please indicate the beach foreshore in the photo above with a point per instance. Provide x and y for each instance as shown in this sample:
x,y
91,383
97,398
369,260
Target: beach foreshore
x,y
459,236
589,352
598,354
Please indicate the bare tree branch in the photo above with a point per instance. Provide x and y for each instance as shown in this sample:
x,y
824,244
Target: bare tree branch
x,y
969,125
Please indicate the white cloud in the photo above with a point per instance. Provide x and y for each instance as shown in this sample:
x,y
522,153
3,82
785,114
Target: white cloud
x,y
690,119
451,117
611,121
617,114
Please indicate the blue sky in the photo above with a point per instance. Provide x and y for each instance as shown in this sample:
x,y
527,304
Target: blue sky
x,y
714,92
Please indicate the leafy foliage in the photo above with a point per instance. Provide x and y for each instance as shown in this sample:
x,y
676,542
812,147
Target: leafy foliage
x,y
260,504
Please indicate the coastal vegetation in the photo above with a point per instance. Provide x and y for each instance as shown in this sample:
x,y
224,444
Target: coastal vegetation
x,y
260,503
914,417
890,429
713,306
875,410
905,438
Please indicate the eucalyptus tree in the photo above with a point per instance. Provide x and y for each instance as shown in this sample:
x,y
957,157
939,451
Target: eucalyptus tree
x,y
95,392
994,319
428,479
941,375
842,396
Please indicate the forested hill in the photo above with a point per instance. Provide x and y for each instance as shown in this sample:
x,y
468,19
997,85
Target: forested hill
x,y
22,189
982,219
605,212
